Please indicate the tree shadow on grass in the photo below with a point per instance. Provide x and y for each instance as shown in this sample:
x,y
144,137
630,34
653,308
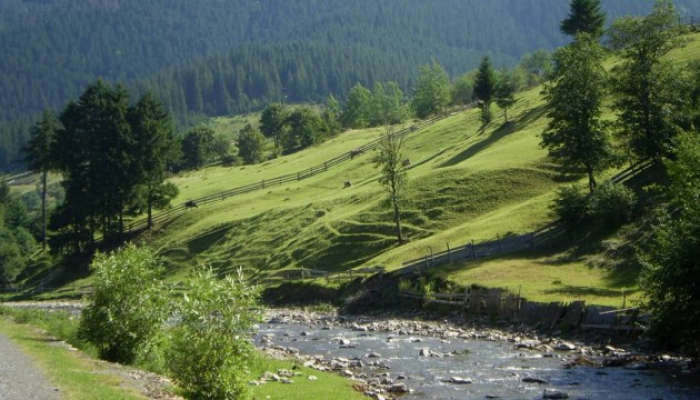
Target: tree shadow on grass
x,y
501,132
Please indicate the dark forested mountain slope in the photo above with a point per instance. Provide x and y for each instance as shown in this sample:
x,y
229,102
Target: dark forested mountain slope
x,y
255,50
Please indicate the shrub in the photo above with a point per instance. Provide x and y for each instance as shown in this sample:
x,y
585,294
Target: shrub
x,y
571,205
612,202
209,350
127,309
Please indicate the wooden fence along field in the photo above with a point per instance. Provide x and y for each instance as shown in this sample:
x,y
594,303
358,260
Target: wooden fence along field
x,y
311,274
499,303
170,213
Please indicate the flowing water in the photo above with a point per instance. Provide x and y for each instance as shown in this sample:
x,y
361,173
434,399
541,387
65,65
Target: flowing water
x,y
496,369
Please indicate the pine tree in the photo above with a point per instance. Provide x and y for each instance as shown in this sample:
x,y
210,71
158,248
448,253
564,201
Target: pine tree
x,y
585,16
38,158
485,87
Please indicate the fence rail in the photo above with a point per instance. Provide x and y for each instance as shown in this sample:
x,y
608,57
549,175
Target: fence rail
x,y
500,303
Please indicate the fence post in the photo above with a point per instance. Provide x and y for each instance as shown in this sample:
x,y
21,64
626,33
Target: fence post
x,y
449,252
325,164
432,260
500,248
473,251
298,176
426,262
263,183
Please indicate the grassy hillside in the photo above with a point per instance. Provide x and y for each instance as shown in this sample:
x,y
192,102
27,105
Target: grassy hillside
x,y
466,182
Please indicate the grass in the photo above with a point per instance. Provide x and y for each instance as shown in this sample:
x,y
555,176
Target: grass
x,y
466,182
80,377
75,375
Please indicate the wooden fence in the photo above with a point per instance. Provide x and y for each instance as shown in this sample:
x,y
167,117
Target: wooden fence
x,y
305,273
502,304
170,213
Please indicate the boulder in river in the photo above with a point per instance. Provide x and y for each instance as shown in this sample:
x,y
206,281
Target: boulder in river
x,y
554,394
398,388
534,380
457,380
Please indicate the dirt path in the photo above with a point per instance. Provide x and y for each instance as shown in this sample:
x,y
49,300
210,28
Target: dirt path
x,y
20,379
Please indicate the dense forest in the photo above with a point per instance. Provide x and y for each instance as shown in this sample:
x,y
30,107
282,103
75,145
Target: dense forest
x,y
214,58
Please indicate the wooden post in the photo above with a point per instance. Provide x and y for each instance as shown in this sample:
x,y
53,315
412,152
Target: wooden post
x,y
432,260
449,252
298,176
325,164
426,262
500,248
263,183
473,251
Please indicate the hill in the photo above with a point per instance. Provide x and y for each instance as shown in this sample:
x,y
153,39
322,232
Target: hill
x,y
217,58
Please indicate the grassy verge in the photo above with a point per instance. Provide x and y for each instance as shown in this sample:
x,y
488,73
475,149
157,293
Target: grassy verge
x,y
77,376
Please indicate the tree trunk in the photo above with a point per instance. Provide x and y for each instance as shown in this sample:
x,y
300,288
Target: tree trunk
x,y
44,177
397,219
150,210
591,179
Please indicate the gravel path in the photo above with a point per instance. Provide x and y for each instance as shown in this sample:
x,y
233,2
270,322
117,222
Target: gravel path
x,y
20,379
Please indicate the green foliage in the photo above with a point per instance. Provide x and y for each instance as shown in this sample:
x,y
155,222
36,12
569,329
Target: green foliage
x,y
127,308
304,129
356,113
509,83
462,92
650,94
388,106
331,117
210,351
272,124
611,203
575,136
585,16
196,147
251,144
571,205
432,93
389,160
485,88
671,276
538,66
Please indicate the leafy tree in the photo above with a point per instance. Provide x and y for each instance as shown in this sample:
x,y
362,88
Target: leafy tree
x,y
157,150
462,92
196,147
221,147
272,124
331,116
575,135
38,159
585,16
305,129
210,350
127,308
432,94
671,274
387,104
509,82
485,88
356,113
251,144
650,94
393,174
538,66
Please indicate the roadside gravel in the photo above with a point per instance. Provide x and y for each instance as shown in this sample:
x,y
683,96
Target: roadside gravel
x,y
20,379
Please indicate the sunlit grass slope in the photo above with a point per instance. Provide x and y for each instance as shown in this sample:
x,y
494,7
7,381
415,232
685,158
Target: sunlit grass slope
x,y
466,182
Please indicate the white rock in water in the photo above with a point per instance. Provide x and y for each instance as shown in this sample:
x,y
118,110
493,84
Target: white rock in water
x,y
565,346
458,381
554,394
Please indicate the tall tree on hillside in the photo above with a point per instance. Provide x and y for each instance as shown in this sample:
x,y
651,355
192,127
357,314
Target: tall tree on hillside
x,y
251,144
388,107
650,93
575,135
393,174
462,91
432,94
485,88
95,152
196,147
671,272
272,124
509,83
356,113
305,129
585,16
38,158
331,116
156,147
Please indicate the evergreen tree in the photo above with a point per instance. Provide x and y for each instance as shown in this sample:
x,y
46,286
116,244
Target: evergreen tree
x,y
485,87
585,16
432,94
156,147
575,135
508,84
38,159
650,93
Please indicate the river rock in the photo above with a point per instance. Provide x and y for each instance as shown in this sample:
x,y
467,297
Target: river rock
x,y
554,394
284,373
534,380
346,373
269,376
457,380
636,366
398,388
373,355
565,346
287,381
